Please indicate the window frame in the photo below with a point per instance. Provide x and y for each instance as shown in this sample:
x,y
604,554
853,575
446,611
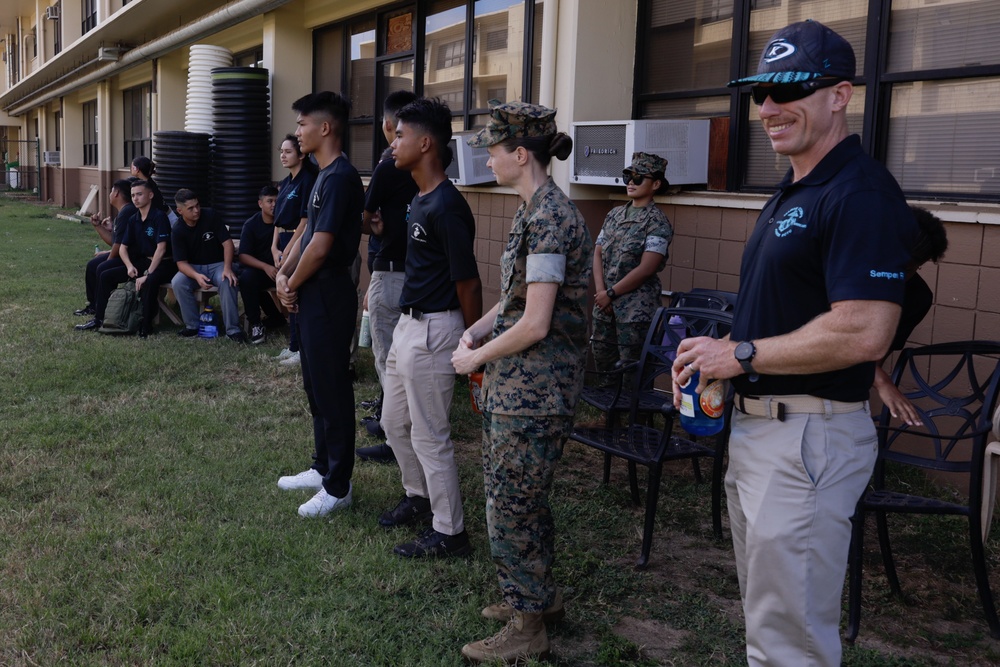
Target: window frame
x,y
465,117
877,81
88,16
133,144
89,136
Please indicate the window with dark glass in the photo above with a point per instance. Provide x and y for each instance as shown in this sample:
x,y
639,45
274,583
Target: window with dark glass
x,y
926,97
432,49
89,14
250,58
136,114
90,134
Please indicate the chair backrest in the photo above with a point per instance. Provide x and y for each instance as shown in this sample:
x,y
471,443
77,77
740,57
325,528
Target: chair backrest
x,y
662,340
954,387
700,297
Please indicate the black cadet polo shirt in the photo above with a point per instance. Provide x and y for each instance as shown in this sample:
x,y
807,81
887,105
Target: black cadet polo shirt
x,y
843,232
256,238
439,250
390,190
335,207
202,244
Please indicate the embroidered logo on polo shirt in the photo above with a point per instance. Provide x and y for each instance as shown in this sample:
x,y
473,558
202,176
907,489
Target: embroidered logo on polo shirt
x,y
790,220
208,236
418,232
150,231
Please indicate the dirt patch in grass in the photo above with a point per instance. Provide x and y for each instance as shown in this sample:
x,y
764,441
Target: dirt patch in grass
x,y
685,608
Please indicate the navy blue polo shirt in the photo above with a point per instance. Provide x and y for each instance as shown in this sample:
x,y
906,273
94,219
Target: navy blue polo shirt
x,y
142,236
843,232
335,207
439,249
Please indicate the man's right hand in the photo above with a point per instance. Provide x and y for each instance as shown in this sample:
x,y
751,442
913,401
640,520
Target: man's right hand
x,y
132,272
203,281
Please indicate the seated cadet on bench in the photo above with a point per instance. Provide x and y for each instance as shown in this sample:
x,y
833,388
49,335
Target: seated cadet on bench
x,y
204,253
257,270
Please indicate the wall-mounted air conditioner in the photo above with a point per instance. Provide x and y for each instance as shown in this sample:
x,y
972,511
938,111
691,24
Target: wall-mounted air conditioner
x,y
52,13
468,166
601,150
52,158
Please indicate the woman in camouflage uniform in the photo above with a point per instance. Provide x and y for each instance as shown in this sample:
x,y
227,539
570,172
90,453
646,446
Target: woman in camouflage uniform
x,y
534,373
629,253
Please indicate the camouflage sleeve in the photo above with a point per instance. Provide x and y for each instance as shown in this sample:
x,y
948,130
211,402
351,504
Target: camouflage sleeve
x,y
546,260
658,234
545,268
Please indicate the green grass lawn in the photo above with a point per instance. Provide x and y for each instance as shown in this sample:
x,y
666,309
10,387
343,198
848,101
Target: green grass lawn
x,y
141,524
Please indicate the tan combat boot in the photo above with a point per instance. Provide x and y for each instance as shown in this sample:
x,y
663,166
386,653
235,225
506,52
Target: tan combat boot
x,y
523,637
501,611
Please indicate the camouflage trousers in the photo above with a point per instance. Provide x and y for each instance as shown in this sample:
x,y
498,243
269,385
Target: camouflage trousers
x,y
519,460
613,340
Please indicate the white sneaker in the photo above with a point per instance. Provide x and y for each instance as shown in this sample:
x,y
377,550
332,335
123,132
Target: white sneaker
x,y
307,479
284,354
292,360
323,503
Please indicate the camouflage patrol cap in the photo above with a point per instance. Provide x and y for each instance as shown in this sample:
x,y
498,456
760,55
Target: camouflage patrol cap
x,y
514,119
647,163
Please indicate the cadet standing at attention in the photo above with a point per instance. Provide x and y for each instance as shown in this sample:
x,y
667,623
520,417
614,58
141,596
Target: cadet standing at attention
x,y
534,373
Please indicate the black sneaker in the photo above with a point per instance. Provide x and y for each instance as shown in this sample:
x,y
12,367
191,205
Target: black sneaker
x,y
409,510
369,419
87,326
86,311
375,405
375,429
187,333
143,331
239,337
432,544
257,334
378,454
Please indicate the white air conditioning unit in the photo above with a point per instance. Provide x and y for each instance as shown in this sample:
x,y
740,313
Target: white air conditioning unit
x,y
53,158
468,166
601,150
109,53
52,13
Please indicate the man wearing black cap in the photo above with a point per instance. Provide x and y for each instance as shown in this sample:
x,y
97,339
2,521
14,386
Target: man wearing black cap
x,y
821,281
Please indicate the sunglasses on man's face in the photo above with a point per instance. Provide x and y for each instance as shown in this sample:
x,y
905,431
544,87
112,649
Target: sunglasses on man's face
x,y
784,93
632,177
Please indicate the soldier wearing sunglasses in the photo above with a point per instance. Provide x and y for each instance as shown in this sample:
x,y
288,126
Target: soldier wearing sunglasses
x,y
821,283
629,254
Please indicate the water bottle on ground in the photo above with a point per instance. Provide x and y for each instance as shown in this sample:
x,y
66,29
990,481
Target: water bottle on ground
x,y
365,334
208,326
702,415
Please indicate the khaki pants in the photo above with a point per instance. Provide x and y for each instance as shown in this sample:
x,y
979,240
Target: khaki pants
x,y
792,488
383,314
419,383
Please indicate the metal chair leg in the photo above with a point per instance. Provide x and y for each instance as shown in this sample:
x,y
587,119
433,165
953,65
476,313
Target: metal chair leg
x,y
887,560
652,497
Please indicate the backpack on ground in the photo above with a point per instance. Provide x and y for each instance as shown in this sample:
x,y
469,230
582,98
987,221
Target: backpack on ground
x,y
124,311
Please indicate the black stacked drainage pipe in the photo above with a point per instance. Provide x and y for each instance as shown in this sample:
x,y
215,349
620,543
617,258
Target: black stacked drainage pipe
x,y
241,142
183,160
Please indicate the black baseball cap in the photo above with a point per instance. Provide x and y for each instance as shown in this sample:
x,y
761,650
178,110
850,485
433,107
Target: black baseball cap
x,y
801,52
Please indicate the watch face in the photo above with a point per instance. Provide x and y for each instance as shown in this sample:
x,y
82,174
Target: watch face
x,y
744,351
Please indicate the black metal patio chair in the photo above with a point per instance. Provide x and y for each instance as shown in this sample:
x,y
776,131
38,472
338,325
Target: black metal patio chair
x,y
954,387
636,439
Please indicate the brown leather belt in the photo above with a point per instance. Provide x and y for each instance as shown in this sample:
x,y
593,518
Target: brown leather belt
x,y
776,407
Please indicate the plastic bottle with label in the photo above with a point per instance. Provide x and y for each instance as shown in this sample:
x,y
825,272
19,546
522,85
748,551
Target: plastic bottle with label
x,y
702,415
679,331
365,334
208,325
